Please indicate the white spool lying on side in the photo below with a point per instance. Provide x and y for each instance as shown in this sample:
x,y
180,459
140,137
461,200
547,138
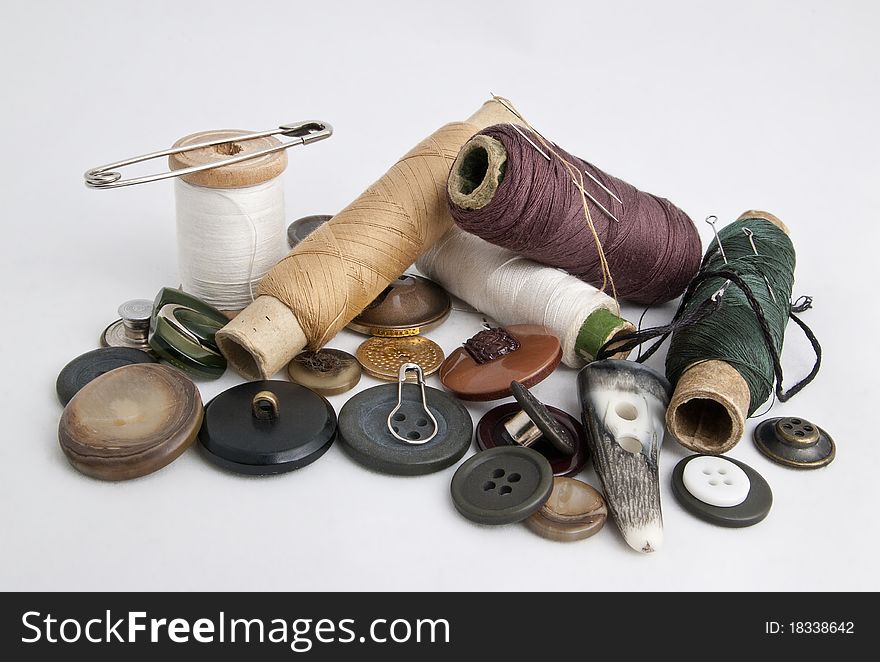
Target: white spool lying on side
x,y
514,290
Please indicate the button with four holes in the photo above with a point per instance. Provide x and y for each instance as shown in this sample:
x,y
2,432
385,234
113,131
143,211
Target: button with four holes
x,y
502,485
794,442
716,481
721,490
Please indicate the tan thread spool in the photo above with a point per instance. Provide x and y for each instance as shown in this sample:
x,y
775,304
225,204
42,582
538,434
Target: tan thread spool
x,y
244,174
710,404
328,279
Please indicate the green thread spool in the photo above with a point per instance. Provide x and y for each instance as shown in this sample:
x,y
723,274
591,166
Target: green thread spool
x,y
721,366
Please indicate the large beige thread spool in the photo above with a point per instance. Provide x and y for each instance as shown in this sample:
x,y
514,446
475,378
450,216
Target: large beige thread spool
x,y
230,219
330,277
710,404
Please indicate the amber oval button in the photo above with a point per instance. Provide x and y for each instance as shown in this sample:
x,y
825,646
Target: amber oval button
x,y
408,306
574,511
130,421
484,368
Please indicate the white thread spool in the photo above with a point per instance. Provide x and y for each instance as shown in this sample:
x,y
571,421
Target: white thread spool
x,y
230,220
515,290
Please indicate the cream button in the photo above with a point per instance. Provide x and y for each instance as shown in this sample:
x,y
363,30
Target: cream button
x,y
716,481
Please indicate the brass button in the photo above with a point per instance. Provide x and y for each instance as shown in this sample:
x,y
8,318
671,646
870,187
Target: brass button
x,y
383,357
794,442
407,307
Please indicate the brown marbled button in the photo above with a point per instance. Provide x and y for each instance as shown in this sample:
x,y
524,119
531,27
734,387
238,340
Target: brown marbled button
x,y
130,421
408,306
574,511
484,368
326,372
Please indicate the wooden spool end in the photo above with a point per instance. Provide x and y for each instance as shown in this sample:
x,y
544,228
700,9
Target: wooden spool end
x,y
238,175
710,405
477,172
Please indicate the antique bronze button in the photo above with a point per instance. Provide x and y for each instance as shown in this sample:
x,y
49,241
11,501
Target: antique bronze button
x,y
488,362
86,367
408,306
574,511
133,329
383,357
794,442
502,485
326,372
267,427
721,490
130,421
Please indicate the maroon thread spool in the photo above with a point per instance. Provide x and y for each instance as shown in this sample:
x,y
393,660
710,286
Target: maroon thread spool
x,y
510,187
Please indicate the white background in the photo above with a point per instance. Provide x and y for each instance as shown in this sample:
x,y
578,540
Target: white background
x,y
720,107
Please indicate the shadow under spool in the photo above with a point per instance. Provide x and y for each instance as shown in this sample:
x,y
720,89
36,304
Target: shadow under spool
x,y
710,404
334,273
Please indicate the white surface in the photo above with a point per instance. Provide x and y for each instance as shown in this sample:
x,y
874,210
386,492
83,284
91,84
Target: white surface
x,y
716,481
719,107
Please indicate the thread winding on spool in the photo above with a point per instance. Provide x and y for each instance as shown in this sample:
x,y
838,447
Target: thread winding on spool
x,y
330,277
230,221
512,289
727,334
514,189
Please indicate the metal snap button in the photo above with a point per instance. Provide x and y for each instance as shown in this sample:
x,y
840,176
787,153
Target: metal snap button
x,y
326,372
492,432
133,329
267,427
794,442
303,227
130,421
182,333
91,365
502,485
383,357
410,305
693,489
489,361
535,422
574,511
416,443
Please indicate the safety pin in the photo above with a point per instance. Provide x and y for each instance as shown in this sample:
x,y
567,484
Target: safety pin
x,y
306,133
748,232
720,291
420,378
